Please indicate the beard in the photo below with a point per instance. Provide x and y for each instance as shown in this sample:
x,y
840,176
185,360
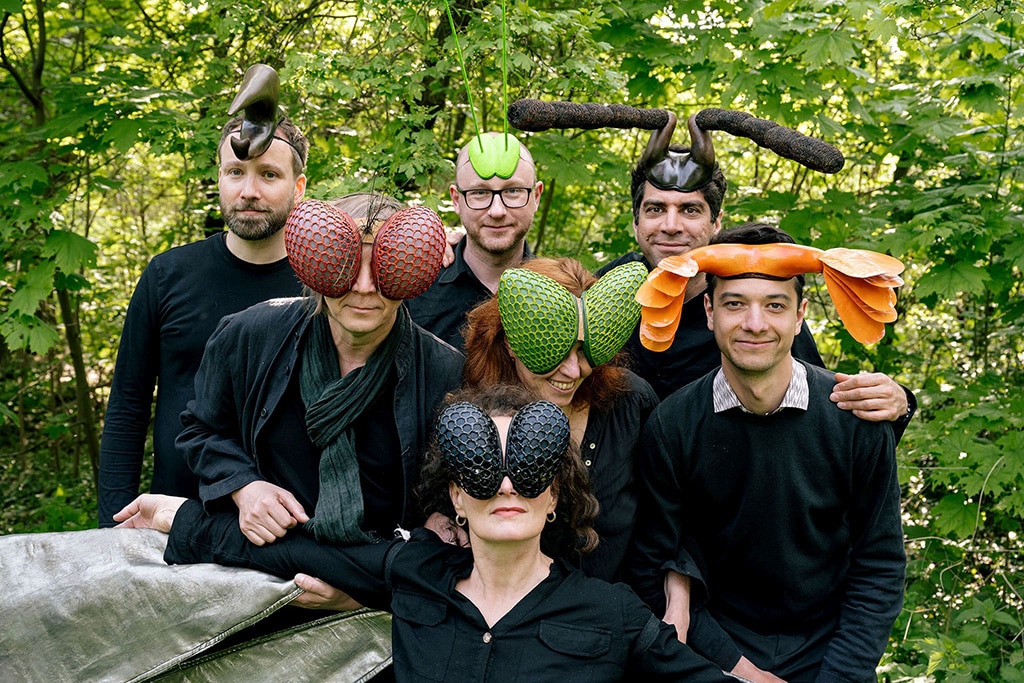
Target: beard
x,y
254,228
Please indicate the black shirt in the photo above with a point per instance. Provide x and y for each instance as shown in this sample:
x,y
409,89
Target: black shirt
x,y
297,465
180,298
442,309
609,451
567,628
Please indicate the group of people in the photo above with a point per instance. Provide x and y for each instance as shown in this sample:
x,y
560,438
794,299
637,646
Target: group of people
x,y
747,495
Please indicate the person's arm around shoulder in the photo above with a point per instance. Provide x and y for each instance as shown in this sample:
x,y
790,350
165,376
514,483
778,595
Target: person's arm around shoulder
x,y
875,397
872,396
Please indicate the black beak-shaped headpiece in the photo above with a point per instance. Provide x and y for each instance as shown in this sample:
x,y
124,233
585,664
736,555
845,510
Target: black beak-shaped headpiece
x,y
258,95
679,171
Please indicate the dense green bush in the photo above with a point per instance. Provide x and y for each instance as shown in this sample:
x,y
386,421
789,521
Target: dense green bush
x,y
110,113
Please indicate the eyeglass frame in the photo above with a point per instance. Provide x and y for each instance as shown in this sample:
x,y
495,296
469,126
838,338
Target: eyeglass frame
x,y
529,193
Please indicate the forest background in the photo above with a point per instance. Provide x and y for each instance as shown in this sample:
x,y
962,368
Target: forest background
x,y
110,112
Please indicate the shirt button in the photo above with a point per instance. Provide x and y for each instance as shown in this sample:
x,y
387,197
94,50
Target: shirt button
x,y
587,463
593,445
263,413
487,637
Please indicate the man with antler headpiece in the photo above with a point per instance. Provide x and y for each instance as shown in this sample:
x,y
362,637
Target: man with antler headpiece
x,y
184,292
781,510
677,195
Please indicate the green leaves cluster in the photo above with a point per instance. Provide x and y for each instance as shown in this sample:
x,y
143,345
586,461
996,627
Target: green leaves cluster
x,y
110,115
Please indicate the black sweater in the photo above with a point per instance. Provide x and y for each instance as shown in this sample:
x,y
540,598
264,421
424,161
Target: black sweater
x,y
793,520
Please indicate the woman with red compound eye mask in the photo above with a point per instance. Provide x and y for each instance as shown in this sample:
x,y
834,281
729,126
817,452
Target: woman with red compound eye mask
x,y
314,411
510,607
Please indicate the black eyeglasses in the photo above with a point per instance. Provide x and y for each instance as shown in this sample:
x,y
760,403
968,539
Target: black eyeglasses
x,y
511,197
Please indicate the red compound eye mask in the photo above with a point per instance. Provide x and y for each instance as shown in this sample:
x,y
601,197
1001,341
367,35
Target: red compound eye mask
x,y
407,253
324,247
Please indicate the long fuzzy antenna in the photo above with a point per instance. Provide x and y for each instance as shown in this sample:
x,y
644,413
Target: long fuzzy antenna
x,y
537,115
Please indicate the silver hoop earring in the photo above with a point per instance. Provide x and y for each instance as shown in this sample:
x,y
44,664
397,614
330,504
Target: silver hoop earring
x,y
552,516
460,521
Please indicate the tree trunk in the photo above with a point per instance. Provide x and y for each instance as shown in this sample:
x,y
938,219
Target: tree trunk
x,y
83,395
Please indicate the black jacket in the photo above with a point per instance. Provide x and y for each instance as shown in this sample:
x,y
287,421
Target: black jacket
x,y
246,370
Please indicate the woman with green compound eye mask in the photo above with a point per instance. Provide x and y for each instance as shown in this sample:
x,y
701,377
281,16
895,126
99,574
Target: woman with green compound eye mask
x,y
557,330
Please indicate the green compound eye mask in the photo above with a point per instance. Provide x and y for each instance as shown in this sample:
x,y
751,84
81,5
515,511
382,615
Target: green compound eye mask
x,y
542,318
494,155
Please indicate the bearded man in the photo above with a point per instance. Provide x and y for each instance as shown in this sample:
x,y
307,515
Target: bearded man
x,y
182,295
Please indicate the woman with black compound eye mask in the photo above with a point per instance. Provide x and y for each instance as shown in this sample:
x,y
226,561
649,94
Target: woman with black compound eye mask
x,y
509,607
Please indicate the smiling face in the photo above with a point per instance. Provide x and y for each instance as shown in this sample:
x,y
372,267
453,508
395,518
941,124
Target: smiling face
x,y
670,223
496,230
560,385
505,517
256,195
755,322
363,312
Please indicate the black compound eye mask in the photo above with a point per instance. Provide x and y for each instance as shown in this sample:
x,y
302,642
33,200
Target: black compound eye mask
x,y
538,437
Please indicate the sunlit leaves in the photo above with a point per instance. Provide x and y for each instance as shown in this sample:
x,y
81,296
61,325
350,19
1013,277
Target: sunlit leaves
x,y
954,516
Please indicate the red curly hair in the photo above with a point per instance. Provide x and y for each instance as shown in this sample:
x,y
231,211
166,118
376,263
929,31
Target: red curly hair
x,y
489,360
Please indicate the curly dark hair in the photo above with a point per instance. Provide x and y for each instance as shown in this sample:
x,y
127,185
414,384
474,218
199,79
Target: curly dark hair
x,y
572,532
488,360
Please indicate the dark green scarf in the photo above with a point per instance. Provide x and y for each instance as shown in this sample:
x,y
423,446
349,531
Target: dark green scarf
x,y
333,404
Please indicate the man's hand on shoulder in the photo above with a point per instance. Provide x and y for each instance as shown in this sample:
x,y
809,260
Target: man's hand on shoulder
x,y
452,239
266,512
872,396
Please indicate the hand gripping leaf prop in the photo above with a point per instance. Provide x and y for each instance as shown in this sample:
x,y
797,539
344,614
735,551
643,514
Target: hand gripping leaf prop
x,y
860,282
538,438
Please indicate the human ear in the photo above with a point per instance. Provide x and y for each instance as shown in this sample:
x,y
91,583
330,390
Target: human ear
x,y
455,493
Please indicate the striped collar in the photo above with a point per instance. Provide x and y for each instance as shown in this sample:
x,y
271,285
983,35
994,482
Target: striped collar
x,y
796,394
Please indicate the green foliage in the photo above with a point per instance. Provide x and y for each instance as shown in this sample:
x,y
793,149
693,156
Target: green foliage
x,y
111,116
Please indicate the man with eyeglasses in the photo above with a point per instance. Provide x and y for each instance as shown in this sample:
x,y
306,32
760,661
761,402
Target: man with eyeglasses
x,y
496,194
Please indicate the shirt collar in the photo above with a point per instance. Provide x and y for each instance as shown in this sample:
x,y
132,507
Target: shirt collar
x,y
796,394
